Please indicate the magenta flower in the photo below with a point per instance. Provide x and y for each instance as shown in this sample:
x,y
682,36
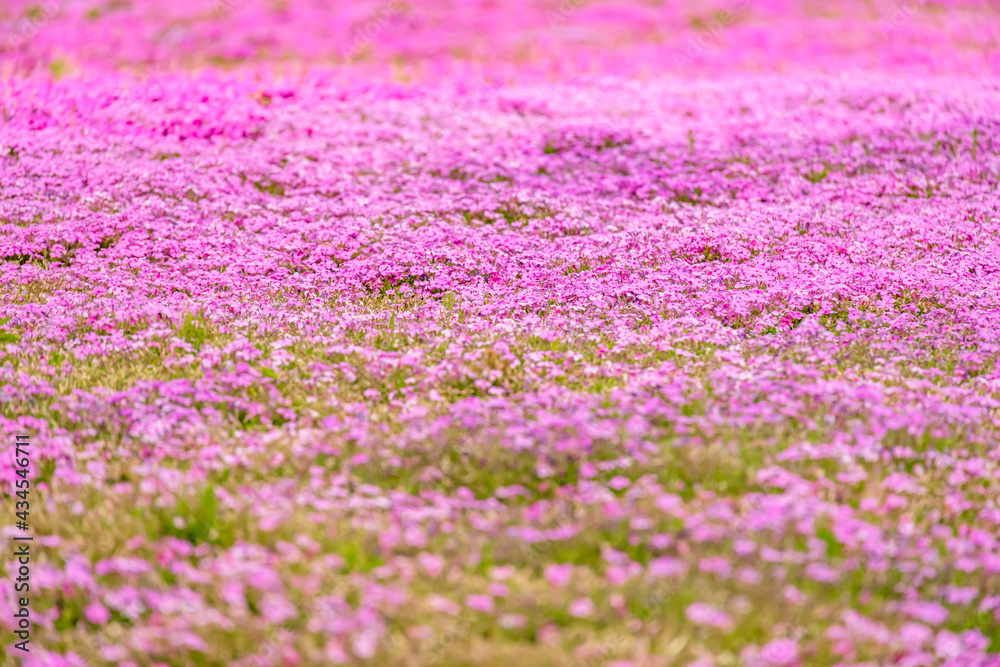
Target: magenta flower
x,y
97,613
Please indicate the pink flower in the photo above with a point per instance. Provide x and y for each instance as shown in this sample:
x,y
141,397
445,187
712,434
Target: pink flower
x,y
443,605
716,565
433,564
618,482
669,502
915,634
665,566
558,575
548,634
97,613
947,644
232,593
335,653
581,607
779,653
513,621
822,572
929,612
704,614
277,609
793,594
364,643
498,590
617,575
115,653
483,603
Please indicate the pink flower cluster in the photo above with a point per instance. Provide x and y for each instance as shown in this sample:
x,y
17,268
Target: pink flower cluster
x,y
434,38
617,368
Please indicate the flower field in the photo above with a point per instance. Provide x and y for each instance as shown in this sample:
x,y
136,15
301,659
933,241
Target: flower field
x,y
473,335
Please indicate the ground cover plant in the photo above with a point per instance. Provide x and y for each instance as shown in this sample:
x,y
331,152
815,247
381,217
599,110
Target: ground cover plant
x,y
343,337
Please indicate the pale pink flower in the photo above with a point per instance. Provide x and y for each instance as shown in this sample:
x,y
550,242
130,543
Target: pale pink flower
x,y
513,621
581,607
433,564
335,653
704,614
364,644
779,653
483,603
666,566
558,575
498,590
443,605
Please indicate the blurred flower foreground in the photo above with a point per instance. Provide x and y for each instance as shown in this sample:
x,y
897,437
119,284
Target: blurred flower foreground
x,y
475,334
